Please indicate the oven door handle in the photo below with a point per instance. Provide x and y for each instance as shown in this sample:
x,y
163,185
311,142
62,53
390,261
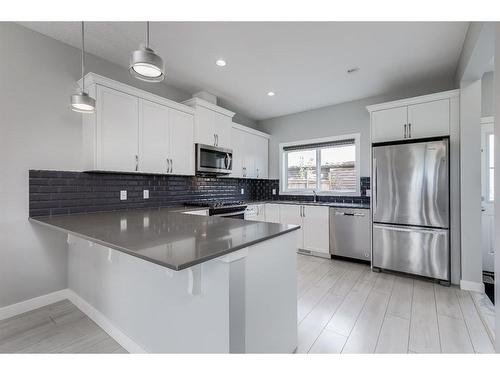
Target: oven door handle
x,y
230,213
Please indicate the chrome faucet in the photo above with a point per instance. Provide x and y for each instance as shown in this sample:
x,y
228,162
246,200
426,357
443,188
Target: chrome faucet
x,y
315,196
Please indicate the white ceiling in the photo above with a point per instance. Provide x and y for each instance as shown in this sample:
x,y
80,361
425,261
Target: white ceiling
x,y
304,63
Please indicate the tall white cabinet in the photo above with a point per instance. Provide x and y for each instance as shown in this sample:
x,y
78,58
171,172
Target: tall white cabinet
x,y
135,131
427,116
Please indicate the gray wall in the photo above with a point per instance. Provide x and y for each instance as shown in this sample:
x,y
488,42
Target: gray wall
x,y
345,118
487,97
38,131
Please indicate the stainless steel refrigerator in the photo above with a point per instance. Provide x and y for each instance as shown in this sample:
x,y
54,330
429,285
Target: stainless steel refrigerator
x,y
411,198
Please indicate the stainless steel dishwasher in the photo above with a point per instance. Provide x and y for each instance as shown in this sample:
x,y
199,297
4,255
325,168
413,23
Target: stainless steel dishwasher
x,y
350,233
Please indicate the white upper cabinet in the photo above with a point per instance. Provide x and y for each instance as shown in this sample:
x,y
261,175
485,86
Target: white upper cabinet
x,y
421,117
261,157
316,229
165,140
181,127
116,130
429,119
153,137
388,124
212,123
250,152
136,131
222,127
238,138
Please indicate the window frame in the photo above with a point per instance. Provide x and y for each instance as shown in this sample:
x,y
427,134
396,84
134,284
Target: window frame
x,y
486,131
283,176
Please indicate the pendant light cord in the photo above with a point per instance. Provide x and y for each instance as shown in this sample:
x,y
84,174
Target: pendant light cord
x,y
147,34
83,58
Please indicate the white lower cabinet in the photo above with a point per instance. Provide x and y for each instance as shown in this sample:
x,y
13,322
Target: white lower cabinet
x,y
314,221
316,229
272,213
292,214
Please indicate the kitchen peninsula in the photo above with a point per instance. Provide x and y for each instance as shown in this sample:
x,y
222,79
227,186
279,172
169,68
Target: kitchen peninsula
x,y
162,280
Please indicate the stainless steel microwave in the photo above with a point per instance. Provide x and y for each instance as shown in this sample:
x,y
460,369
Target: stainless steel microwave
x,y
213,160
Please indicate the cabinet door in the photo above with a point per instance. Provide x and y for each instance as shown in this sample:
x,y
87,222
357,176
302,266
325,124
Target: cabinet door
x,y
261,212
181,137
238,147
153,137
388,124
272,213
223,125
117,130
429,119
290,214
261,157
204,126
316,229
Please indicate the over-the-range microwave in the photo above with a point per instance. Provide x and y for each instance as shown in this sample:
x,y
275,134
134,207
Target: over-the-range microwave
x,y
213,160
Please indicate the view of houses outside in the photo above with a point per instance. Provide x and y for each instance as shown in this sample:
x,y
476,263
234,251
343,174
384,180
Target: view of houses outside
x,y
336,166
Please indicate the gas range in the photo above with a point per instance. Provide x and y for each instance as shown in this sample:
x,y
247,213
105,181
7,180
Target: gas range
x,y
232,209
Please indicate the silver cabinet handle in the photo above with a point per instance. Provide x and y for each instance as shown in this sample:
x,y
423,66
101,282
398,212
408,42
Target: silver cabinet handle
x,y
215,140
405,131
257,172
136,162
304,211
168,165
409,130
171,165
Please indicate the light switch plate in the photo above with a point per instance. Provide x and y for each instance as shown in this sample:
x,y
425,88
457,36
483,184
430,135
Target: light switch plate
x,y
274,191
368,193
123,195
242,191
145,194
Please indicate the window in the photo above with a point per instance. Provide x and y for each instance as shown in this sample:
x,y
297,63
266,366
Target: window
x,y
327,166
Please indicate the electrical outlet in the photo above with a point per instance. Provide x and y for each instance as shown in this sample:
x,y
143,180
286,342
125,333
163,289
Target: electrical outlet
x,y
274,191
145,194
242,191
123,195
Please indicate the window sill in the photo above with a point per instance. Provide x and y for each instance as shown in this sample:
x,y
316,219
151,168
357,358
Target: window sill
x,y
322,194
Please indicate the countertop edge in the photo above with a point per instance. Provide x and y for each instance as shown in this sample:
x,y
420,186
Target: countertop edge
x,y
291,228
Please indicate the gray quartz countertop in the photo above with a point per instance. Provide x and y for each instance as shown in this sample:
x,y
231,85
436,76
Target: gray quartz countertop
x,y
365,206
166,236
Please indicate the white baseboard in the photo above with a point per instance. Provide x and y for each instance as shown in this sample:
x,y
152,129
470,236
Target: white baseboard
x,y
121,338
35,303
472,286
32,304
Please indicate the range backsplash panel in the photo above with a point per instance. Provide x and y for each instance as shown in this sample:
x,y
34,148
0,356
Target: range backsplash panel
x,y
62,192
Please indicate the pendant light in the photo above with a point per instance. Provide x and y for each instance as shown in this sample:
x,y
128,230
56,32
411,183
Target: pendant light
x,y
82,102
145,64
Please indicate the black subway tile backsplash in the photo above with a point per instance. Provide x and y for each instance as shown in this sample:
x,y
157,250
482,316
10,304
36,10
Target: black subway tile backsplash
x,y
61,192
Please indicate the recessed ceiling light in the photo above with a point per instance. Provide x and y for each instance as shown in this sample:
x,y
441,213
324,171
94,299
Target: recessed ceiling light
x,y
221,62
270,93
352,70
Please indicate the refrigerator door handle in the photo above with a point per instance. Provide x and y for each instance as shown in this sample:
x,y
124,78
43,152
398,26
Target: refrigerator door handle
x,y
409,229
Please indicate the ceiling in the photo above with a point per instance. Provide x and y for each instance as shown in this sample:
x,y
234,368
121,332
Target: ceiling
x,y
304,63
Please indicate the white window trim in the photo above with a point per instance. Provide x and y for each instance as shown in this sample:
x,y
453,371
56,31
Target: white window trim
x,y
486,130
282,161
